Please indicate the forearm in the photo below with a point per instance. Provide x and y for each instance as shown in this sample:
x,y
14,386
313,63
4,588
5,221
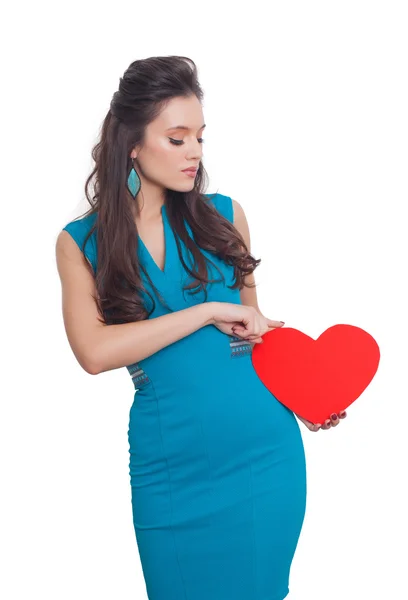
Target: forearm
x,y
116,346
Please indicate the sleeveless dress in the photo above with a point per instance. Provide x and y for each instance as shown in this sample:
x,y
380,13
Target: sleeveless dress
x,y
217,464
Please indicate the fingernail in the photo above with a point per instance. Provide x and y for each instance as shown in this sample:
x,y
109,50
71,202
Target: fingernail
x,y
333,416
327,423
283,322
343,412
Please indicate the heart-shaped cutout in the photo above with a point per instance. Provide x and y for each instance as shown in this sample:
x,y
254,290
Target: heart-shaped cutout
x,y
315,378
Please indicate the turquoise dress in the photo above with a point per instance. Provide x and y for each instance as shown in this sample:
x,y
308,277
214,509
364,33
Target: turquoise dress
x,y
217,465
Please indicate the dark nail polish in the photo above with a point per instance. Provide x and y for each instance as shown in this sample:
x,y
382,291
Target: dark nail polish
x,y
333,416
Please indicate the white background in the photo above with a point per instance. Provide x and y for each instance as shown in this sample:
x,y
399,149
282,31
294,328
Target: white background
x,y
306,112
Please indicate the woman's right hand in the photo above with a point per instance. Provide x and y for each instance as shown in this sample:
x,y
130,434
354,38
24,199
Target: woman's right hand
x,y
242,321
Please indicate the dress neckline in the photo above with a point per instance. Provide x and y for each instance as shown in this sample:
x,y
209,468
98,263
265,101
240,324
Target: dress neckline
x,y
167,231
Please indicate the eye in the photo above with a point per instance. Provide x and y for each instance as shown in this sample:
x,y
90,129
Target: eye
x,y
179,142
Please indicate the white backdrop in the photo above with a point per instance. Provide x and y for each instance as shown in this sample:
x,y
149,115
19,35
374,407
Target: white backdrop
x,y
306,112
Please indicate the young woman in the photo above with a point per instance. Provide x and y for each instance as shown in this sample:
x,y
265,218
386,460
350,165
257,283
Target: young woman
x,y
158,277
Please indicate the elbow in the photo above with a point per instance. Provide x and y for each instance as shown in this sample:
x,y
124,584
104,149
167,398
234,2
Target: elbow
x,y
91,364
91,369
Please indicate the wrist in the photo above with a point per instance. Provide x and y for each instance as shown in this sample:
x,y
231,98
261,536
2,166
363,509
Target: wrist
x,y
208,311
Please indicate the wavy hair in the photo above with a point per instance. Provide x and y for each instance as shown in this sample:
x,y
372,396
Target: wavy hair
x,y
144,90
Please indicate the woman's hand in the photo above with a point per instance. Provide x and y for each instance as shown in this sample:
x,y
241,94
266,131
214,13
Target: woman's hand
x,y
242,321
328,424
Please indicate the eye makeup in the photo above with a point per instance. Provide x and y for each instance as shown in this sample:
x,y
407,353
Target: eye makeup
x,y
179,142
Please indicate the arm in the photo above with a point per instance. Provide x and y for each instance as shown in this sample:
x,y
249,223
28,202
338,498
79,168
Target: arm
x,y
248,295
99,347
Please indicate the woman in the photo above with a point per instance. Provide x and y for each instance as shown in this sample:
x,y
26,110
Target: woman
x,y
217,465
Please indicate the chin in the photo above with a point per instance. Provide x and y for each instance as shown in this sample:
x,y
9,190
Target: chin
x,y
188,185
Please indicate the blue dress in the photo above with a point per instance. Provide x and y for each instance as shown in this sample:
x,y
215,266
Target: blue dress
x,y
217,465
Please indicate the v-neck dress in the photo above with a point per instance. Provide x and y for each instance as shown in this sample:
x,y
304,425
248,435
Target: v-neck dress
x,y
217,464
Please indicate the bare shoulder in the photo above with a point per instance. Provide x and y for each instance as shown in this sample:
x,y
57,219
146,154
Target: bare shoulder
x,y
248,295
67,251
240,221
78,292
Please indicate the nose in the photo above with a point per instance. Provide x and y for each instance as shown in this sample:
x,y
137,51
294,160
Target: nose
x,y
195,151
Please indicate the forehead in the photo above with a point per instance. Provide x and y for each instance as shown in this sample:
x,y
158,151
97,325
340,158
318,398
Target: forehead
x,y
180,114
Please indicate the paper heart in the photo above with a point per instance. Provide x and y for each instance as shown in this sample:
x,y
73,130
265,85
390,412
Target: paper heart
x,y
315,378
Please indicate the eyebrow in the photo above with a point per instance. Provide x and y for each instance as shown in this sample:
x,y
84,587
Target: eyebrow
x,y
183,127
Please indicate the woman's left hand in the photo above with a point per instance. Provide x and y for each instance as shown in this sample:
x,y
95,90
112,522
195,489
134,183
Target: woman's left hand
x,y
328,424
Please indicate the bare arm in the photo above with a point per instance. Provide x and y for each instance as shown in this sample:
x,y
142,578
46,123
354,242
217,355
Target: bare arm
x,y
99,347
248,295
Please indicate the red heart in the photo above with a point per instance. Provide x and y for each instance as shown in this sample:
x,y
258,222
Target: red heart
x,y
315,378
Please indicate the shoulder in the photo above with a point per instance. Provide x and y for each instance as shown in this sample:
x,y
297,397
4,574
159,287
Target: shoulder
x,y
240,220
229,208
78,230
235,213
224,204
80,226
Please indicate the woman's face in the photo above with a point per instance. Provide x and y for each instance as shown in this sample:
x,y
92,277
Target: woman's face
x,y
167,150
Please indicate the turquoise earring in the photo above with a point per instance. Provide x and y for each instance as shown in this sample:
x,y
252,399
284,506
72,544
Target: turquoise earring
x,y
133,181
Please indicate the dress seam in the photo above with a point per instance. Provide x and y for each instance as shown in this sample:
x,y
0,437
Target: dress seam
x,y
170,492
254,562
209,468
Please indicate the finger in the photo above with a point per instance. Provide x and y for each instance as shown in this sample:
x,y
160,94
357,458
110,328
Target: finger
x,y
238,331
334,419
326,424
245,335
239,328
309,424
258,340
272,323
342,414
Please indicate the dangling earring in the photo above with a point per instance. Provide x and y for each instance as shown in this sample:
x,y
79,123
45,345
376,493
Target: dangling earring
x,y
133,181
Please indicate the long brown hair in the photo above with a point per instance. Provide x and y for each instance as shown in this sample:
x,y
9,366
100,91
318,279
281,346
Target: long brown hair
x,y
145,88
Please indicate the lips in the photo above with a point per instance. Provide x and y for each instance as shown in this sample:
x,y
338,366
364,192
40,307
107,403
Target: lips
x,y
190,170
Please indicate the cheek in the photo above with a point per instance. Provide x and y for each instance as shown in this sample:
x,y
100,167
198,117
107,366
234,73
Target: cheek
x,y
166,158
162,162
164,152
